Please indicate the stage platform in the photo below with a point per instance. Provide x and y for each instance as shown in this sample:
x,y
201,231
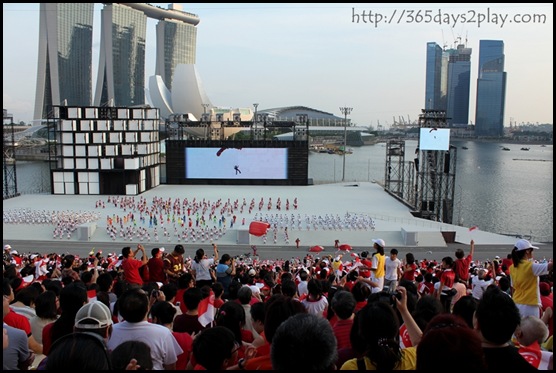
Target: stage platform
x,y
352,205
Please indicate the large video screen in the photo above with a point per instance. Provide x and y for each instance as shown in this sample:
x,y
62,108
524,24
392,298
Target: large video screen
x,y
434,139
236,163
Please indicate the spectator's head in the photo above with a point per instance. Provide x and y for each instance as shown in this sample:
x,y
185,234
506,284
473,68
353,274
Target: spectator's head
x,y
426,308
278,309
94,317
447,340
179,249
378,326
125,351
532,329
215,348
459,253
46,305
465,308
232,316
343,304
244,295
133,305
496,317
192,297
304,342
163,312
84,351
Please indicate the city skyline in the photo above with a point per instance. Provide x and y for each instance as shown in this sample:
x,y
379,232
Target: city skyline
x,y
322,56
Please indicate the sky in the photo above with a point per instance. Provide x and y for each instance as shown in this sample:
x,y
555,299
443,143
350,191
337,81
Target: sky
x,y
326,56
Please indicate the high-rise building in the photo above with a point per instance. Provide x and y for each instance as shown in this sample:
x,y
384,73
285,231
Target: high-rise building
x,y
433,81
65,53
121,75
65,56
459,81
491,89
176,41
447,82
121,78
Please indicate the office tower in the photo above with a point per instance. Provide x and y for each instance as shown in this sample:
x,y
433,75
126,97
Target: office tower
x,y
121,75
433,78
458,83
176,41
65,56
121,78
491,89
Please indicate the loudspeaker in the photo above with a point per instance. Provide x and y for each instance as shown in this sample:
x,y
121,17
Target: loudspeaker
x,y
447,163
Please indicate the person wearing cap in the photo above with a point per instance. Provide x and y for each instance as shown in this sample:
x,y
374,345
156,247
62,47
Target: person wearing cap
x,y
524,276
378,267
134,307
92,318
156,266
7,256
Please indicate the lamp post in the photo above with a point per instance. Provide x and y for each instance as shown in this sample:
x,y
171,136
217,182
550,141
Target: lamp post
x,y
205,107
254,131
346,111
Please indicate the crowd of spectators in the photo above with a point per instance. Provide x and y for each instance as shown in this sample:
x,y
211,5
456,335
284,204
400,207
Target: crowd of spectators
x,y
373,311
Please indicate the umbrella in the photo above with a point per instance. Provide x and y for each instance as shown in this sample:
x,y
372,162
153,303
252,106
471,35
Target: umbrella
x,y
316,249
345,247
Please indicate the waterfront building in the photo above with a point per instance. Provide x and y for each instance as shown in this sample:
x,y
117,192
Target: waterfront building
x,y
459,79
65,56
491,89
447,82
434,100
121,75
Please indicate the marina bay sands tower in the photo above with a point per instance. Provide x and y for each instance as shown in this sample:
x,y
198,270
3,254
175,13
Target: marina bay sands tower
x,y
64,74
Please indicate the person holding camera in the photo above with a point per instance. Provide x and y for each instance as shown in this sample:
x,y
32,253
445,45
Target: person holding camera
x,y
225,272
131,265
202,265
173,264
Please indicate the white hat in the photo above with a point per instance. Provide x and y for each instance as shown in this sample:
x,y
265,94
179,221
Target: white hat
x,y
93,315
14,252
252,272
33,256
524,245
7,247
497,257
161,249
380,242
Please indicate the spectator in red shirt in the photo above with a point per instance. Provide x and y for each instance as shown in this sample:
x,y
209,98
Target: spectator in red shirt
x,y
156,266
131,266
462,264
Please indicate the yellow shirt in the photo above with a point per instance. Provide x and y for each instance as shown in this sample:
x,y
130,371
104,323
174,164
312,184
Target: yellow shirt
x,y
408,361
525,283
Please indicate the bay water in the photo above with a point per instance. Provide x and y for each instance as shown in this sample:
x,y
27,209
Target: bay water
x,y
499,191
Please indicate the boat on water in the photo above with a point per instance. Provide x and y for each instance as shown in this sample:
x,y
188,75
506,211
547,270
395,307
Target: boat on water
x,y
505,148
464,147
525,149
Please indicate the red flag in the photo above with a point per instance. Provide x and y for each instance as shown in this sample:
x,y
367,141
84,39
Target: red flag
x,y
92,295
473,228
258,228
206,310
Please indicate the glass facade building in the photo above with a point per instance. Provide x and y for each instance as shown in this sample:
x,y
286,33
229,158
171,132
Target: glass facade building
x,y
447,82
121,76
491,89
433,81
65,56
459,81
176,44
